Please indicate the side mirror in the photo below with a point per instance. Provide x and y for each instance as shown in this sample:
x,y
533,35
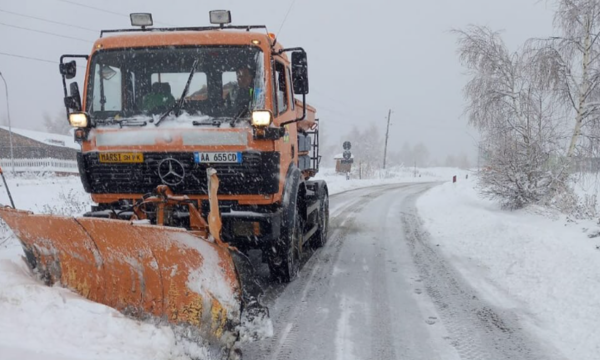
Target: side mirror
x,y
74,101
68,70
300,72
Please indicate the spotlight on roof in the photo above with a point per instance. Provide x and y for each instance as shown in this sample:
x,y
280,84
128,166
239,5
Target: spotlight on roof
x,y
220,17
141,19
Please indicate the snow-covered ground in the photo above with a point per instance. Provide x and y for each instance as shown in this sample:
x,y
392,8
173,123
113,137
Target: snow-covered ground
x,y
39,322
538,264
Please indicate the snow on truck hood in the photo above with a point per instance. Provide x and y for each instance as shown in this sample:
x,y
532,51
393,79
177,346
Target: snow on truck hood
x,y
181,127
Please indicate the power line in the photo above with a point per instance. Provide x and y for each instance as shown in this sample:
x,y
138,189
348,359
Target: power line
x,y
94,8
48,21
28,57
46,32
285,18
104,10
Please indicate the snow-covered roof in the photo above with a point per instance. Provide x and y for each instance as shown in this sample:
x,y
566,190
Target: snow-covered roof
x,y
341,156
46,138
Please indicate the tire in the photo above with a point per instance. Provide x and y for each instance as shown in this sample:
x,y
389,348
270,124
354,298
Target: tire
x,y
284,265
320,237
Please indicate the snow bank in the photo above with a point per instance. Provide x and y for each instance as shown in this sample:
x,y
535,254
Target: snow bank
x,y
540,265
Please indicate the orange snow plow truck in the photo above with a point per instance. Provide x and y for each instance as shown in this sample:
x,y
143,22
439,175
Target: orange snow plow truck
x,y
197,146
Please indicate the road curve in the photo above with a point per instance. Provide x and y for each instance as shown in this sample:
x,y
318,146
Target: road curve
x,y
380,290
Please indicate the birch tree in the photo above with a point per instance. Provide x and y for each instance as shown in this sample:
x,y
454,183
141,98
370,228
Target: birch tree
x,y
570,63
515,117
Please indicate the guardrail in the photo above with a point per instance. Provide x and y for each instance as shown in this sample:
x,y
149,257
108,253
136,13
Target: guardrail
x,y
40,165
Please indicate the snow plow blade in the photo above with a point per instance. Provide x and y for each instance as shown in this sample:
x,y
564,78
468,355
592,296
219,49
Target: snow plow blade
x,y
188,277
140,270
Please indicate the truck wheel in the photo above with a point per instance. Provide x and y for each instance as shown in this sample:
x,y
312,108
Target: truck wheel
x,y
321,235
285,263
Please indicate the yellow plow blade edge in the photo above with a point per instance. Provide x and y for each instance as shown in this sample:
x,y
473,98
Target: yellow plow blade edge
x,y
141,270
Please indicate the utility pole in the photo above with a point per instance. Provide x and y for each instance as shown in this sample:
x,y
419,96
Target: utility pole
x,y
12,158
387,133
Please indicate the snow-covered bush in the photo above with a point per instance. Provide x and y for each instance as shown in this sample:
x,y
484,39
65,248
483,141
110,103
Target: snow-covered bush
x,y
518,174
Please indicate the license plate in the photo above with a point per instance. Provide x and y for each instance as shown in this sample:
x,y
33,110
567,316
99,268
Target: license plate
x,y
121,157
217,157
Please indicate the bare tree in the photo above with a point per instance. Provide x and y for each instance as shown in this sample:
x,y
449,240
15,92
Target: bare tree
x,y
570,64
516,119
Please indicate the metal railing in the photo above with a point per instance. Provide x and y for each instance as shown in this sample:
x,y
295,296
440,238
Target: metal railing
x,y
41,165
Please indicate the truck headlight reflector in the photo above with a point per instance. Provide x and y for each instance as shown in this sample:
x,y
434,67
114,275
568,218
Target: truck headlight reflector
x,y
261,118
78,119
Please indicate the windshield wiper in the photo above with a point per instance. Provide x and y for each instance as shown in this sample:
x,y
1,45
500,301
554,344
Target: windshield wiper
x,y
177,106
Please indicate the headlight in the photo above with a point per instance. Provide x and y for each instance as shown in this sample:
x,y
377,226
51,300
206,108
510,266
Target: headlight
x,y
262,118
78,119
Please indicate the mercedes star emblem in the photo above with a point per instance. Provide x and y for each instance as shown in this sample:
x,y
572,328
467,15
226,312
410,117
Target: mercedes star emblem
x,y
171,172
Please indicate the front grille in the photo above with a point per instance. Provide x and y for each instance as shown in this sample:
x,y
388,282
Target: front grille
x,y
257,174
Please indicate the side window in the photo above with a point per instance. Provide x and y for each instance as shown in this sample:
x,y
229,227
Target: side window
x,y
291,87
107,80
281,88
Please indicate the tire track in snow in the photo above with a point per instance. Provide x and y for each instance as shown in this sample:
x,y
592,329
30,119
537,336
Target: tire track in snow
x,y
477,329
345,214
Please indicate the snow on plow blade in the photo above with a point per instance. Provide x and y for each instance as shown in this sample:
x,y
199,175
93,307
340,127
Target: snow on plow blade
x,y
141,270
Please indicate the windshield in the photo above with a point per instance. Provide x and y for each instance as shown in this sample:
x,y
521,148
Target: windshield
x,y
228,82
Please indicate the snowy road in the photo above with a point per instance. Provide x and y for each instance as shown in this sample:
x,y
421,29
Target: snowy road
x,y
379,289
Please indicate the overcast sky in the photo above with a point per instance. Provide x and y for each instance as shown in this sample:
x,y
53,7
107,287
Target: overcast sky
x,y
364,58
